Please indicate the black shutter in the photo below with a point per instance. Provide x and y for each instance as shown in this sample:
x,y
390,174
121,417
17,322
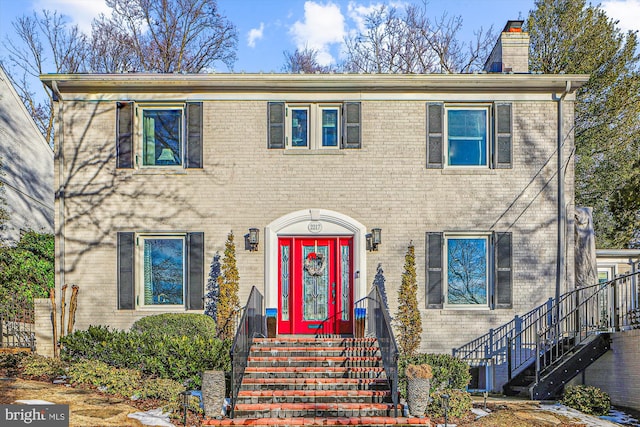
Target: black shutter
x,y
503,275
502,155
194,135
351,128
435,134
434,270
126,278
195,271
275,118
124,131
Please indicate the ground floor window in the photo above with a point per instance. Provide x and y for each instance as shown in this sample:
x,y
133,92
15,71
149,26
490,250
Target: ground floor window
x,y
467,276
162,269
469,269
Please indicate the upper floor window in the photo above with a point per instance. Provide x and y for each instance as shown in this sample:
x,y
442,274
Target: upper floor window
x,y
469,135
314,126
162,137
152,135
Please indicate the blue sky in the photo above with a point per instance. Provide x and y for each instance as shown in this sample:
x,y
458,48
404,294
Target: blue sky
x,y
266,28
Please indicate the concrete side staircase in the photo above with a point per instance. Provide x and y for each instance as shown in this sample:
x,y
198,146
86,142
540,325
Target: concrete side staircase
x,y
315,381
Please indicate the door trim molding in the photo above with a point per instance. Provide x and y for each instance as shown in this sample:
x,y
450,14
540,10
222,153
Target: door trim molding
x,y
297,224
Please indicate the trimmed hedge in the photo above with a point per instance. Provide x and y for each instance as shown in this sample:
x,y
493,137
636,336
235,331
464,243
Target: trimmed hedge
x,y
177,325
587,399
459,403
182,353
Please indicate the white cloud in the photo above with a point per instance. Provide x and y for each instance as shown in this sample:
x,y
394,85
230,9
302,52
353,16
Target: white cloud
x,y
80,12
627,12
255,34
323,26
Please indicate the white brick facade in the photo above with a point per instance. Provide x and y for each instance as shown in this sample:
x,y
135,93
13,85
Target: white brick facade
x,y
383,184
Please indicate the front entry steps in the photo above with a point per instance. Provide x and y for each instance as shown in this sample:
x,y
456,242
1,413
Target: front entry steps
x,y
311,381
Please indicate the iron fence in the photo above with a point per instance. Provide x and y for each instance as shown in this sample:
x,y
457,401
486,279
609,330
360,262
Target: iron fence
x,y
17,323
251,325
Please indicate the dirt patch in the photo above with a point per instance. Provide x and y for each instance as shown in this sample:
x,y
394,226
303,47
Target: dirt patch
x,y
87,408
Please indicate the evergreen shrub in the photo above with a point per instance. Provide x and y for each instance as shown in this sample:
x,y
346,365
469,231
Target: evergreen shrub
x,y
587,399
459,403
41,367
181,354
448,372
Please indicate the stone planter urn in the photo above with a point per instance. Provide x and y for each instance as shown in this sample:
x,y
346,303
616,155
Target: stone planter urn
x,y
213,393
418,383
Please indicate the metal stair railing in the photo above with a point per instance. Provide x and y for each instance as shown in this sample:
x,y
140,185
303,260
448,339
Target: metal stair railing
x,y
605,307
378,325
251,325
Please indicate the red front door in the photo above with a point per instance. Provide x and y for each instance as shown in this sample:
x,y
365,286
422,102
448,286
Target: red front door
x,y
315,285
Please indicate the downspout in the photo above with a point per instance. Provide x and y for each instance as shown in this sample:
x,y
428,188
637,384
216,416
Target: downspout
x,y
560,253
61,183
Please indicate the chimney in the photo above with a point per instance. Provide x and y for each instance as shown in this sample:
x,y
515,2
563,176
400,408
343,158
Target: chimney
x,y
511,52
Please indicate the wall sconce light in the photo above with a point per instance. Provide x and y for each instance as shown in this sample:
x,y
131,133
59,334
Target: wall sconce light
x,y
374,239
252,239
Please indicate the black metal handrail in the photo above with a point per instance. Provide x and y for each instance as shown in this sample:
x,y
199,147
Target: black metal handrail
x,y
577,315
251,325
378,325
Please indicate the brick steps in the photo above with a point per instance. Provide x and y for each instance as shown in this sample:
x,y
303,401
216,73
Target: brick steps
x,y
314,396
331,409
319,421
313,372
310,361
314,381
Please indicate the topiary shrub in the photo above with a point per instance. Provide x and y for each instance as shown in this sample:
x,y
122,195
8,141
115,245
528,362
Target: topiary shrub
x,y
41,367
448,372
459,403
587,399
177,325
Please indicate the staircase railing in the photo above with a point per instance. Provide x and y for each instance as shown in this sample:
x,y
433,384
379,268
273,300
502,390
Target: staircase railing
x,y
582,313
378,324
251,325
605,307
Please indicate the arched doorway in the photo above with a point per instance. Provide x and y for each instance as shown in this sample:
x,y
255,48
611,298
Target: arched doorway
x,y
314,271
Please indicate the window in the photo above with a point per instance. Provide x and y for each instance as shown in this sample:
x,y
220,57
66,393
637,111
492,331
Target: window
x,y
160,270
166,135
314,126
468,270
162,265
469,135
162,137
467,276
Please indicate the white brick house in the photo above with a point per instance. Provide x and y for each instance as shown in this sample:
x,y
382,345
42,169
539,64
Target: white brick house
x,y
155,170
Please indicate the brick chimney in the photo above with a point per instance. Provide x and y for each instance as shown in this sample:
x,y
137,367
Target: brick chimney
x,y
511,52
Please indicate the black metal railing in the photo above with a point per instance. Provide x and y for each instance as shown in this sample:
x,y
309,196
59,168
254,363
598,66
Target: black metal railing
x,y
550,331
250,326
17,323
373,311
582,313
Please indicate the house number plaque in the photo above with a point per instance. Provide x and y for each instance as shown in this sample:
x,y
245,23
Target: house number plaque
x,y
314,227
